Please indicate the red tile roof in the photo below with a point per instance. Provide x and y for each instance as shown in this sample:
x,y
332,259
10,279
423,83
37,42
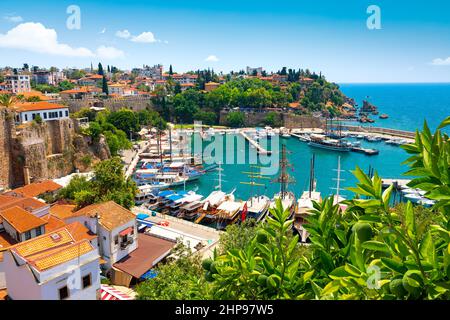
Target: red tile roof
x,y
35,106
37,188
21,220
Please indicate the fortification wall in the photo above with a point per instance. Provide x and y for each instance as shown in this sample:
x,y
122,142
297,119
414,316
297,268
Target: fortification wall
x,y
132,103
7,132
290,120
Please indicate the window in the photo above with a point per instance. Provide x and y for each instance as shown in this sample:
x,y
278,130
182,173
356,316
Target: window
x,y
116,240
45,115
27,235
60,114
63,293
38,232
26,117
67,113
87,281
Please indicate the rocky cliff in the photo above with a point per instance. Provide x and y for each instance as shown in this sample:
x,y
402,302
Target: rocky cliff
x,y
49,150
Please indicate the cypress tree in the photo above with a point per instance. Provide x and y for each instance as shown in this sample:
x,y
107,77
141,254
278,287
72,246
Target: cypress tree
x,y
105,86
100,69
170,70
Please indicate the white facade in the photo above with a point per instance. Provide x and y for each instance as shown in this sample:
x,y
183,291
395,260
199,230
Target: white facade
x,y
24,282
110,244
19,237
18,83
45,114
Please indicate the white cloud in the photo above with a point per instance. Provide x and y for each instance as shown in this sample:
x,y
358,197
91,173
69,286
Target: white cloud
x,y
103,31
212,58
109,53
35,37
145,37
125,34
441,62
14,19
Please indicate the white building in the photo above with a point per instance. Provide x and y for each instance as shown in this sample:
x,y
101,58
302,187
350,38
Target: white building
x,y
61,265
28,111
154,72
20,224
251,71
115,227
18,83
48,77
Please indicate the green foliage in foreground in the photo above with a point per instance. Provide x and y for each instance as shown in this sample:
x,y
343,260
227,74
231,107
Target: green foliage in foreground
x,y
370,251
108,183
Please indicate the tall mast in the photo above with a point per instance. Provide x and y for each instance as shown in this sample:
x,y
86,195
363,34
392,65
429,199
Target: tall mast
x,y
338,179
284,179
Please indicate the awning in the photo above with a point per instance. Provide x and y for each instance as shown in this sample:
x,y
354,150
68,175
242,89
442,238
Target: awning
x,y
109,293
165,193
126,231
142,216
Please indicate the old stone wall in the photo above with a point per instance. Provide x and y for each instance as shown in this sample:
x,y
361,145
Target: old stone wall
x,y
50,150
7,132
132,103
290,120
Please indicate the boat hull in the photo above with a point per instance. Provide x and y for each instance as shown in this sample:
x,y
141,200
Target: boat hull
x,y
329,147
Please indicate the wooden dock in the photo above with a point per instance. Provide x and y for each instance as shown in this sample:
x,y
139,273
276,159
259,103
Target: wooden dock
x,y
258,148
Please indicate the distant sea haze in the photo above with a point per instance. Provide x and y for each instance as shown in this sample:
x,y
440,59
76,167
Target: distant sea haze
x,y
407,105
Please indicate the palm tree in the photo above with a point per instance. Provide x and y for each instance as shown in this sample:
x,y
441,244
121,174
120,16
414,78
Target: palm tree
x,y
7,100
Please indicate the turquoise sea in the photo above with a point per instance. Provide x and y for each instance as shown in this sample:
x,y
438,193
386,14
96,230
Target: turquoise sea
x,y
407,105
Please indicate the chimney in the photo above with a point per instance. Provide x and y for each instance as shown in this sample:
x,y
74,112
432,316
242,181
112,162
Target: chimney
x,y
26,175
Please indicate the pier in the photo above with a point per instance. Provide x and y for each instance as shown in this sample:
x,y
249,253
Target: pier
x,y
259,149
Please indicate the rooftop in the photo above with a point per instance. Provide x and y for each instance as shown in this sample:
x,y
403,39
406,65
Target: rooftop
x,y
26,203
55,248
110,214
21,220
37,188
62,211
35,106
150,251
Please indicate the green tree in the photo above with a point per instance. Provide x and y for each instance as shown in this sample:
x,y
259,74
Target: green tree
x,y
178,279
235,119
125,120
273,119
66,85
100,69
105,89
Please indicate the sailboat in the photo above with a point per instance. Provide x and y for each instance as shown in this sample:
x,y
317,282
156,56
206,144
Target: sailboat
x,y
210,205
257,206
284,179
305,203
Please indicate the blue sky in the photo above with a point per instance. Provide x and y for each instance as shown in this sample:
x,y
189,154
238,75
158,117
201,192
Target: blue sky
x,y
328,36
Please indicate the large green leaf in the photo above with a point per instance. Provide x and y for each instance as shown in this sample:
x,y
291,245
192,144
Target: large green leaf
x,y
375,246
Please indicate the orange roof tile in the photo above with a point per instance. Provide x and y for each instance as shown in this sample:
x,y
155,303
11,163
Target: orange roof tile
x,y
21,220
34,93
43,243
62,255
79,231
110,214
62,211
35,106
53,223
37,188
57,247
26,203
